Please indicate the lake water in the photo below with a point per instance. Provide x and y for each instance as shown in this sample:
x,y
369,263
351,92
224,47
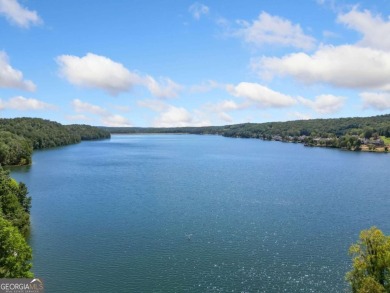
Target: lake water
x,y
188,213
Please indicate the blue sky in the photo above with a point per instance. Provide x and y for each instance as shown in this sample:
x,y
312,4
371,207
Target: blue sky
x,y
178,63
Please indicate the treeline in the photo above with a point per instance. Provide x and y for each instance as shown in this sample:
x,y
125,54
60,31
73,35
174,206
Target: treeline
x,y
20,136
340,133
315,127
15,204
87,132
360,126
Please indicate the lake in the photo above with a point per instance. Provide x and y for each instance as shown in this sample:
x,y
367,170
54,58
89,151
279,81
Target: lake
x,y
191,213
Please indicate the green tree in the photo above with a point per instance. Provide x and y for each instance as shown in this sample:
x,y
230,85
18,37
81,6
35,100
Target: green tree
x,y
15,254
14,202
371,263
23,197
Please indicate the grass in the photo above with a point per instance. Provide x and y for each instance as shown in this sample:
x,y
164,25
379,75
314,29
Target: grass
x,y
386,140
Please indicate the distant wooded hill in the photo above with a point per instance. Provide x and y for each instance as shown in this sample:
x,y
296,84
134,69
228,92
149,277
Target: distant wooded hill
x,y
346,133
20,136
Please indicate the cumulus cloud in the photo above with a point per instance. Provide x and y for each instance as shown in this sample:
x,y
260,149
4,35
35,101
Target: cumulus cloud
x,y
324,104
205,87
260,95
95,71
174,116
17,14
226,105
154,105
377,101
198,10
274,30
331,4
221,108
12,78
225,117
107,118
123,109
164,89
24,104
372,27
116,121
81,107
344,66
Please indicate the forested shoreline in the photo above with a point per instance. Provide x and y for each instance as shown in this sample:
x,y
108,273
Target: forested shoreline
x,y
15,205
20,136
358,133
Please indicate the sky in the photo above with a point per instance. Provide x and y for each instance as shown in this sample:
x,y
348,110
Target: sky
x,y
174,63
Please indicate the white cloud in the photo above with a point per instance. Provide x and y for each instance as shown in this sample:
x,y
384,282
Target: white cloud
x,y
198,9
154,105
174,117
95,71
373,28
225,117
331,4
262,96
106,117
81,107
221,108
116,121
12,78
378,101
330,35
123,109
205,87
324,104
227,105
166,88
17,14
343,66
274,30
24,104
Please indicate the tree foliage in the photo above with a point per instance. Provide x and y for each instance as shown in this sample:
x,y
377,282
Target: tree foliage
x,y
371,263
87,132
14,149
14,202
19,136
15,254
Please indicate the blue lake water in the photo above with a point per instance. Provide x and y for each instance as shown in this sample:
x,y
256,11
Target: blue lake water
x,y
188,213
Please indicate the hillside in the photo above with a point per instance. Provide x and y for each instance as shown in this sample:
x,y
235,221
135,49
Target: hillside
x,y
356,133
20,136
